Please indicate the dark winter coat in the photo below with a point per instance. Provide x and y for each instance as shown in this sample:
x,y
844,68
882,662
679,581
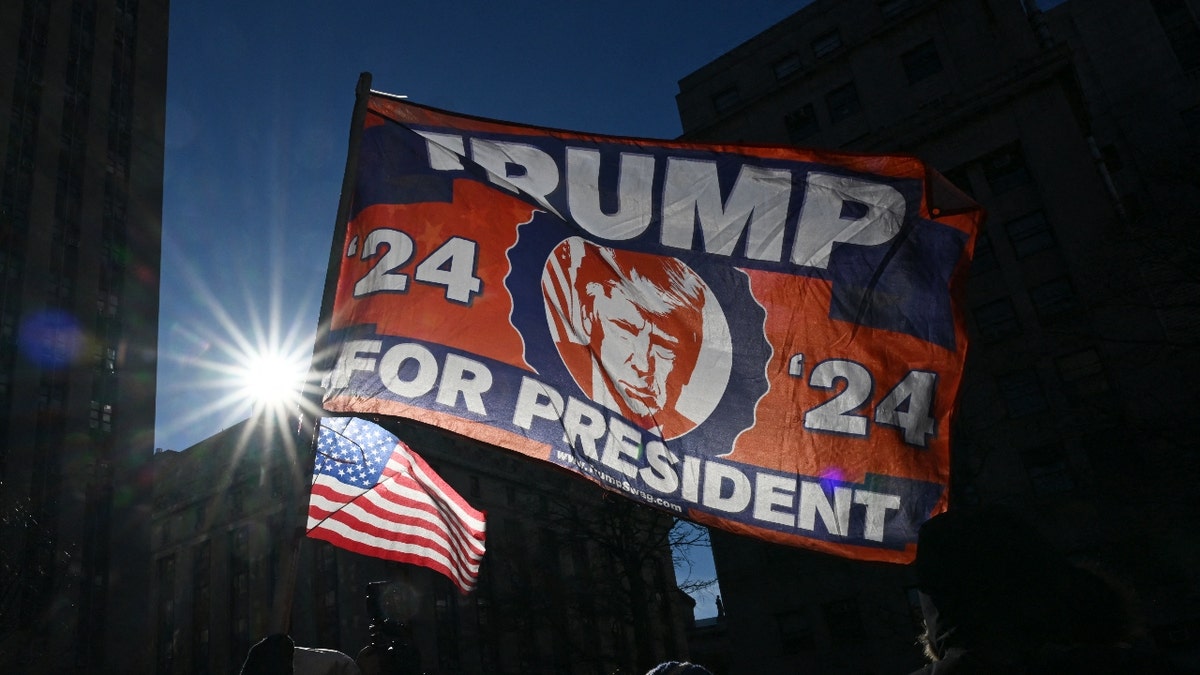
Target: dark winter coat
x,y
996,598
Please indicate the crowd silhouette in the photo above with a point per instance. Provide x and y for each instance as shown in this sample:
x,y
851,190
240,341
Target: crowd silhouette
x,y
996,597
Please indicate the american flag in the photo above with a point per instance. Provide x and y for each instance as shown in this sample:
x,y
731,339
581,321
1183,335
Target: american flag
x,y
371,494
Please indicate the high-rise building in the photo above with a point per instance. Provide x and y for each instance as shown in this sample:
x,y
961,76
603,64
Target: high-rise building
x,y
575,580
1076,128
82,114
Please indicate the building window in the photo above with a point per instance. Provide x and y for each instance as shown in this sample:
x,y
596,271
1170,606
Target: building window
x,y
1053,298
199,517
580,559
8,324
921,62
843,102
795,632
1191,120
844,621
1005,168
1022,393
105,358
483,613
166,647
10,266
891,9
787,66
326,593
60,289
1048,469
1083,371
961,179
997,320
237,501
446,617
726,100
201,606
1180,26
51,396
107,304
1029,234
801,123
985,255
826,44
100,416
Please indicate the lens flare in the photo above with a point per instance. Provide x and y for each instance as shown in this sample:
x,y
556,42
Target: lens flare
x,y
272,380
51,339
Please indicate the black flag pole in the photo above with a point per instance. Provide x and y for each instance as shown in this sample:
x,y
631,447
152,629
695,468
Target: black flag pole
x,y
310,406
321,362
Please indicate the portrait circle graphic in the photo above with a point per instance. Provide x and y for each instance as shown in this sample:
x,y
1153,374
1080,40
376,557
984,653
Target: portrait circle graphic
x,y
641,334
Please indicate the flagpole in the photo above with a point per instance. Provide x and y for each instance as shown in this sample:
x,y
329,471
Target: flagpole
x,y
320,362
306,431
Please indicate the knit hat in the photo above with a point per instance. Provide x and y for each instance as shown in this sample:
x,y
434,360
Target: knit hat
x,y
678,668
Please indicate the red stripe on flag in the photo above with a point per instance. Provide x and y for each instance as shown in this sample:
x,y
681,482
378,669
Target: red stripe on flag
x,y
399,536
413,556
411,515
452,508
402,496
399,511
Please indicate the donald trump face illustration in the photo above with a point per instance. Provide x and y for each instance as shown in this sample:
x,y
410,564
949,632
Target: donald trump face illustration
x,y
629,327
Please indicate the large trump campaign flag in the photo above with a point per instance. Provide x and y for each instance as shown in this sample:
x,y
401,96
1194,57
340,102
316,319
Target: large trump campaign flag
x,y
760,339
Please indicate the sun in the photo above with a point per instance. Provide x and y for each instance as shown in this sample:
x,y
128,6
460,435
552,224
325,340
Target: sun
x,y
271,380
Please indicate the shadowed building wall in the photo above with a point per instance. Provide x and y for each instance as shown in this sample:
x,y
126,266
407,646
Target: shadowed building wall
x,y
1077,130
82,114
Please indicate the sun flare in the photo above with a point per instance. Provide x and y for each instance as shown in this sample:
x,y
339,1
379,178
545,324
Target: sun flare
x,y
240,360
272,379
